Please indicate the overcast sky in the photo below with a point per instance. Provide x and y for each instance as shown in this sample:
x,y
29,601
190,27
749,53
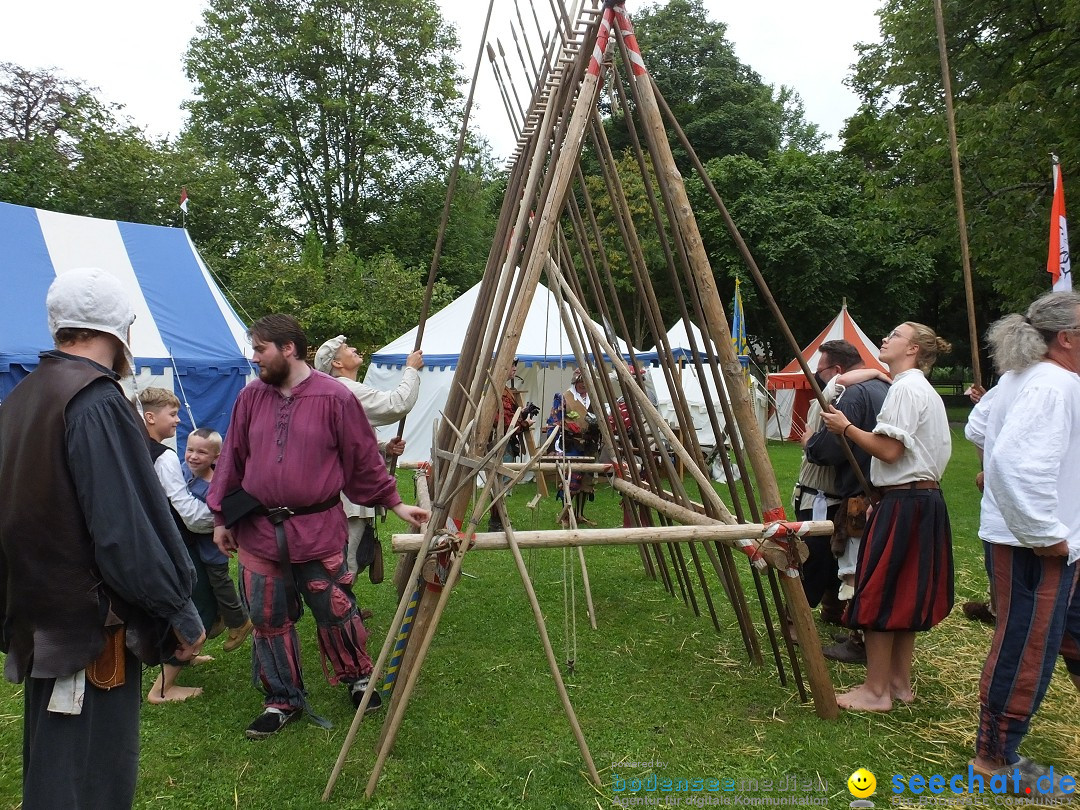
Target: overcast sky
x,y
131,50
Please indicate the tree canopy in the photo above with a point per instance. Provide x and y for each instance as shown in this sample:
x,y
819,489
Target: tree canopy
x,y
317,153
329,107
1015,71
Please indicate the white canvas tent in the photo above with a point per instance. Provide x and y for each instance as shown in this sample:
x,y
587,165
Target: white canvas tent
x,y
696,390
790,390
545,364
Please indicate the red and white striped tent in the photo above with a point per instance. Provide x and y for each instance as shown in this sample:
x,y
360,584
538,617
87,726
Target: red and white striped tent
x,y
788,389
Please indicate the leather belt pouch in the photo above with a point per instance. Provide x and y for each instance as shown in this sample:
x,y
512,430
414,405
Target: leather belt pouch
x,y
108,669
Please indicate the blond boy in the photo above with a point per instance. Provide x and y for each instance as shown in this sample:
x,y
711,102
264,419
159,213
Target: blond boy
x,y
161,415
203,449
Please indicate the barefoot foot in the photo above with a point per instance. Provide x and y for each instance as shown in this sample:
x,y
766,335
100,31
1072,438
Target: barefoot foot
x,y
172,694
201,659
860,699
905,696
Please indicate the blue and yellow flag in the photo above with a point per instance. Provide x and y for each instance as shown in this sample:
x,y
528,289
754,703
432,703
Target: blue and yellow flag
x,y
738,328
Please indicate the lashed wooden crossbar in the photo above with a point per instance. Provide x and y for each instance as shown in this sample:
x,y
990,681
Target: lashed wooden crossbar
x,y
567,538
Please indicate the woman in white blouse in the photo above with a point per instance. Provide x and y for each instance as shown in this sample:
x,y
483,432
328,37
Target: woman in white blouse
x,y
904,576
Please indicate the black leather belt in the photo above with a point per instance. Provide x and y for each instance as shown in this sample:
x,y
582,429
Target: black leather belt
x,y
277,515
912,485
811,491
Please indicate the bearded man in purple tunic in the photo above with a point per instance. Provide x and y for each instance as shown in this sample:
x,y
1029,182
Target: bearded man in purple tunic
x,y
297,440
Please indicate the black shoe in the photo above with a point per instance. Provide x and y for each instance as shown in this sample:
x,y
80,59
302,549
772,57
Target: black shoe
x,y
269,723
980,612
841,637
848,653
356,692
835,617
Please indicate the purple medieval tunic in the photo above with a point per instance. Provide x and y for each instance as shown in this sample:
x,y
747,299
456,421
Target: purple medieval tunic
x,y
298,451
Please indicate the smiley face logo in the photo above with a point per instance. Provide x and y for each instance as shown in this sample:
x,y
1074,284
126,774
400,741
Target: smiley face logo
x,y
862,784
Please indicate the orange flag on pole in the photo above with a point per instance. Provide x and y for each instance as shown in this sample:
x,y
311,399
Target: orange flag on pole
x,y
1057,263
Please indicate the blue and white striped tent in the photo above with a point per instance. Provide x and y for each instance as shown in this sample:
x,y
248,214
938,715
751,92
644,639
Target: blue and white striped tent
x,y
186,336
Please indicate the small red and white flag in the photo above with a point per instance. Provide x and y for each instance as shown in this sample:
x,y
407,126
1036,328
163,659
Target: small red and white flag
x,y
183,199
1057,263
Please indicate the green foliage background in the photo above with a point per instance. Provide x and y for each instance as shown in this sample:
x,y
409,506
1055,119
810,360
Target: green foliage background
x,y
325,127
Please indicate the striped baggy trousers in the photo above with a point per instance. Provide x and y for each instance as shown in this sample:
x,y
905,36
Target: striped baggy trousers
x,y
1033,618
325,586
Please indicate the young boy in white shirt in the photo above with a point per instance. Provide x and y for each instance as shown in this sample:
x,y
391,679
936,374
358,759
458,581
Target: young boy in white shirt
x,y
161,411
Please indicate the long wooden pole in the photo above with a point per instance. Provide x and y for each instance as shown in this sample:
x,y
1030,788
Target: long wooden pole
x,y
447,202
755,273
671,184
958,190
707,530
717,327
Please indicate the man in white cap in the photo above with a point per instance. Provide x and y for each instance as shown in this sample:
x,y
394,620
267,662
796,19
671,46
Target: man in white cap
x,y
93,572
342,361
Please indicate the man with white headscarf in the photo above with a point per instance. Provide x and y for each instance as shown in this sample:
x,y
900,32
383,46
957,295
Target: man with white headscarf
x,y
342,362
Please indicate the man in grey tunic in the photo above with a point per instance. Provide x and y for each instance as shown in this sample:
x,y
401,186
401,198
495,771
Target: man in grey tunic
x,y
93,573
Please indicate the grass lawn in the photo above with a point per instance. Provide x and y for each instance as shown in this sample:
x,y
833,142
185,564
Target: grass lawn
x,y
657,692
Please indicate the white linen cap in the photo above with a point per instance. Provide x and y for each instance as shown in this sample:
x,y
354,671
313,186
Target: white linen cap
x,y
324,357
89,298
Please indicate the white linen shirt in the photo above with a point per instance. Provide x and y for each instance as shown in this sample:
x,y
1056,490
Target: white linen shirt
x,y
979,418
382,408
817,476
195,514
1031,457
914,415
386,407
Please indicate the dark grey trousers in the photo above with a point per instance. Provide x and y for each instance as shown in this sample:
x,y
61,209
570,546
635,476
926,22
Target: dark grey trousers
x,y
228,600
82,761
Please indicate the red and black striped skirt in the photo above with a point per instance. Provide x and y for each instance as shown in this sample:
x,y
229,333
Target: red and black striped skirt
x,y
904,574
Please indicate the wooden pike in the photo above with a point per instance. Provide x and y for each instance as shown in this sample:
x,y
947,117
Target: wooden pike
x,y
958,190
514,125
524,36
445,217
509,77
